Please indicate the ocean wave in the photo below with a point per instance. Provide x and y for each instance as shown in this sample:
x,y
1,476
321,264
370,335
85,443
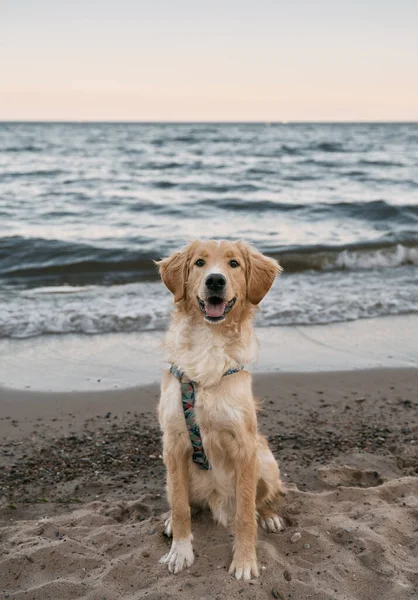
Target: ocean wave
x,y
364,177
34,173
290,150
301,177
261,171
269,153
370,211
302,149
55,262
380,163
241,204
59,262
28,148
376,210
162,166
375,255
217,188
186,139
328,164
328,147
385,181
81,323
270,171
164,185
135,307
354,173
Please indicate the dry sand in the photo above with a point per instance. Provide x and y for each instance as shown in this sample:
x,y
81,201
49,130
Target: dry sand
x,y
82,495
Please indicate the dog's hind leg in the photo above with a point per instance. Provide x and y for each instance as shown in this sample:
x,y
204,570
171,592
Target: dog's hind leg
x,y
269,520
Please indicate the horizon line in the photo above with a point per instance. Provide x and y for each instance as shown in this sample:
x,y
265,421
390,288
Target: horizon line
x,y
208,122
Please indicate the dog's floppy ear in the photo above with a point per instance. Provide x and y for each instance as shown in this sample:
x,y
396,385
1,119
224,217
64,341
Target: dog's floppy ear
x,y
261,271
173,271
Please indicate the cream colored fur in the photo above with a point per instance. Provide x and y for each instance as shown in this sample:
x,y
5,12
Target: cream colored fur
x,y
243,483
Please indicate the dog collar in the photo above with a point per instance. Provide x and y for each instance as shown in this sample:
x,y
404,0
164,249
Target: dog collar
x,y
188,398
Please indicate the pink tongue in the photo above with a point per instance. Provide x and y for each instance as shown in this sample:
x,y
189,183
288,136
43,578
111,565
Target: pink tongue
x,y
215,310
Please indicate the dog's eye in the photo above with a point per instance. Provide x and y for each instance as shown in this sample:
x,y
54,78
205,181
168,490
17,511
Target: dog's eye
x,y
234,264
200,262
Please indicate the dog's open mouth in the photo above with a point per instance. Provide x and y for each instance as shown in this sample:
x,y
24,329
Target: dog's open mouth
x,y
215,308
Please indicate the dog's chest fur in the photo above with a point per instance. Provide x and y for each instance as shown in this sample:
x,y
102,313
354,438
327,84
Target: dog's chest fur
x,y
204,353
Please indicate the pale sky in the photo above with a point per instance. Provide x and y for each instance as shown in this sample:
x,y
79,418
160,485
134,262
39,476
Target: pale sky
x,y
200,60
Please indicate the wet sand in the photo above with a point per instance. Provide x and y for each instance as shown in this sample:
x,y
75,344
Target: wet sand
x,y
120,361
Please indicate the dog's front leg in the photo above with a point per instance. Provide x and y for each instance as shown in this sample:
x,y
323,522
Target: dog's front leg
x,y
244,562
177,464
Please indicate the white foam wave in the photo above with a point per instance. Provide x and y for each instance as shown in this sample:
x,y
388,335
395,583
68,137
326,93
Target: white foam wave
x,y
59,289
314,298
385,257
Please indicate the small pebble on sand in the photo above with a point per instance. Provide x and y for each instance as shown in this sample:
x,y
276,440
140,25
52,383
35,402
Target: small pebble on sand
x,y
295,537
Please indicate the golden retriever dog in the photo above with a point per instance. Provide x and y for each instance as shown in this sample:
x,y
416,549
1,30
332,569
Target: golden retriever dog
x,y
213,452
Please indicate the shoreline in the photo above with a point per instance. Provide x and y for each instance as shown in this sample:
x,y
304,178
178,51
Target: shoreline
x,y
61,363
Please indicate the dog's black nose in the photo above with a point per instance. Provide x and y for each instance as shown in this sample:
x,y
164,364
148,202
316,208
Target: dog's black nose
x,y
215,282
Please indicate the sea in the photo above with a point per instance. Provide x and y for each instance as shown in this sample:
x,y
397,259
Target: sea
x,y
85,208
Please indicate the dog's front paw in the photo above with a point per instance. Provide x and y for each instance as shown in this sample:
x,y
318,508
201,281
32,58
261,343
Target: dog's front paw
x,y
180,556
244,567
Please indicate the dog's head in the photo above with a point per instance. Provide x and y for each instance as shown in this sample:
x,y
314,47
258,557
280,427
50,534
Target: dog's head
x,y
215,278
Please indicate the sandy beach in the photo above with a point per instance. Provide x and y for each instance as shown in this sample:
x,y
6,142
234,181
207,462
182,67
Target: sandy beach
x,y
82,494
